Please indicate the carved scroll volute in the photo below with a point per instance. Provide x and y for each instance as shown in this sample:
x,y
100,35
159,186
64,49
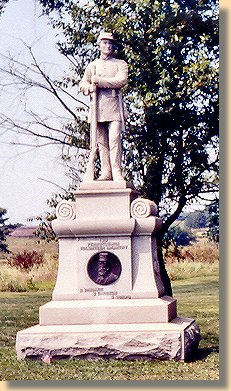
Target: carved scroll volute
x,y
66,210
143,208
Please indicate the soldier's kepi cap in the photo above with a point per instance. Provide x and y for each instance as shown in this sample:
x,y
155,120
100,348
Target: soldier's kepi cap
x,y
104,35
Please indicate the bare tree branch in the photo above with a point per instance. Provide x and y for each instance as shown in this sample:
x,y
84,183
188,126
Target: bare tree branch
x,y
53,183
56,128
18,127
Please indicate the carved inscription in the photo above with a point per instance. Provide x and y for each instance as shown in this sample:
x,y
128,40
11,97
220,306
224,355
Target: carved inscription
x,y
103,245
99,292
96,292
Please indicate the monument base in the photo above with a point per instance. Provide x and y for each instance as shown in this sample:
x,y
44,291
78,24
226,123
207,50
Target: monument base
x,y
85,312
176,340
109,299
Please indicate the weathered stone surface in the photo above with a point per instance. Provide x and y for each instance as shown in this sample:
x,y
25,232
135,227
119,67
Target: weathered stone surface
x,y
191,339
169,341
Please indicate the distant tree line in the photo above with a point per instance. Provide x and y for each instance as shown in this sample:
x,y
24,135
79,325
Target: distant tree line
x,y
5,230
207,218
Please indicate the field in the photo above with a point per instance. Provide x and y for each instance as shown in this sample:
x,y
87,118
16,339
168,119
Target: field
x,y
195,285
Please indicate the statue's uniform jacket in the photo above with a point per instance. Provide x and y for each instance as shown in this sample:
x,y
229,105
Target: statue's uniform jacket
x,y
112,75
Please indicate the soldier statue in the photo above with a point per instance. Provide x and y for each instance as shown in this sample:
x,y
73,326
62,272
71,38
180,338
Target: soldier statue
x,y
105,76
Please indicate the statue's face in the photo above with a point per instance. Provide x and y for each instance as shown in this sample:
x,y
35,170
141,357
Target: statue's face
x,y
106,46
103,269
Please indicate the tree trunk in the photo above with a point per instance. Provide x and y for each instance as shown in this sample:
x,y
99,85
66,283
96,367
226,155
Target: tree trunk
x,y
163,272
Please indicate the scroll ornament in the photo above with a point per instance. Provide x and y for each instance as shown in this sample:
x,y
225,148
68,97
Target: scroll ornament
x,y
65,210
143,208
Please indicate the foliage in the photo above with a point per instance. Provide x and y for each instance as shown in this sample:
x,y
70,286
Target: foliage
x,y
45,230
213,221
2,5
171,47
174,238
14,280
172,51
26,259
209,217
12,227
194,257
4,231
38,277
197,219
202,251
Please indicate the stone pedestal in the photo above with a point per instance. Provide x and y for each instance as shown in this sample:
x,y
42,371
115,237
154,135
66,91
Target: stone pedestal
x,y
176,340
109,299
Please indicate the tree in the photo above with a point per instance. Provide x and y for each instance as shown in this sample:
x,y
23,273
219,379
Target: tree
x,y
213,221
41,126
2,5
197,219
172,92
172,51
171,148
177,237
4,231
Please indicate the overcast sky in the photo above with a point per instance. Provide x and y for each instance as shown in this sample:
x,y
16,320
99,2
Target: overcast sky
x,y
22,193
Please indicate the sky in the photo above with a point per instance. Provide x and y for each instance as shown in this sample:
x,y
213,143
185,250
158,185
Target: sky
x,y
22,192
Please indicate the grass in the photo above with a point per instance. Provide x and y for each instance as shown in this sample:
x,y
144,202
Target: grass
x,y
197,298
37,278
195,285
202,250
16,244
187,269
40,277
110,370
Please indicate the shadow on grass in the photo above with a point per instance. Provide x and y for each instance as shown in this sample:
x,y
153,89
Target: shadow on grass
x,y
200,287
202,353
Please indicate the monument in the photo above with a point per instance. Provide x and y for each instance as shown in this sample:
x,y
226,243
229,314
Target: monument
x,y
109,300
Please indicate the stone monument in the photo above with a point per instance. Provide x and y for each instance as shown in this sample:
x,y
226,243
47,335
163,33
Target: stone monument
x,y
109,300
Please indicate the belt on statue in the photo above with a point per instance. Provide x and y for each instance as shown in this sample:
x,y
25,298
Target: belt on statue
x,y
109,92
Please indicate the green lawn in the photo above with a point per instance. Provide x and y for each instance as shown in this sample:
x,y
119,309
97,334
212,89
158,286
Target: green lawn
x,y
197,298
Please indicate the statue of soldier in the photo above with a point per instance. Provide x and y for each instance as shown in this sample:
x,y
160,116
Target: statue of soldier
x,y
107,75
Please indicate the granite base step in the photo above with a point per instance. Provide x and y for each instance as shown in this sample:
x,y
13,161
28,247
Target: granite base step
x,y
176,340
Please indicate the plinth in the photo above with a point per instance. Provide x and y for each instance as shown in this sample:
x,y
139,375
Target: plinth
x,y
109,300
